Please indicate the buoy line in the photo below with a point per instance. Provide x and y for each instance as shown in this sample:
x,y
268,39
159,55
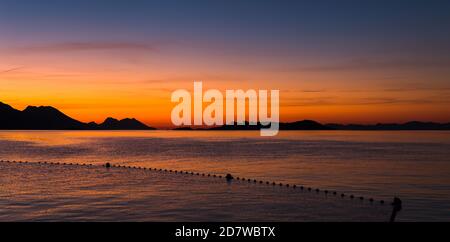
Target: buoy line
x,y
228,178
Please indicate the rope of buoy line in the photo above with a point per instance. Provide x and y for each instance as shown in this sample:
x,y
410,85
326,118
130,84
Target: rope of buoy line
x,y
397,204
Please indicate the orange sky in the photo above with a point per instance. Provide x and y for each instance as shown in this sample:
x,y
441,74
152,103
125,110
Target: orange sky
x,y
92,86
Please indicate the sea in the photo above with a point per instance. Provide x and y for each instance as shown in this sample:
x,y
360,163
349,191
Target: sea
x,y
51,179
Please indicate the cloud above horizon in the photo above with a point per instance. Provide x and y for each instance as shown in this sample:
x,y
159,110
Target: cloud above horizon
x,y
11,70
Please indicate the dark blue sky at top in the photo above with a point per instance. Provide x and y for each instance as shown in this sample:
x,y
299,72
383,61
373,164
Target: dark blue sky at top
x,y
317,26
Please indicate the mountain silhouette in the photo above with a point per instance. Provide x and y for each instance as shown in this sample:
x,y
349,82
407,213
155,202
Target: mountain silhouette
x,y
50,118
9,117
313,125
124,124
304,125
45,117
298,125
413,125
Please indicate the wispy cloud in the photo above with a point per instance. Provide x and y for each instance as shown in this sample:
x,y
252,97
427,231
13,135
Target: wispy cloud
x,y
11,70
87,46
375,64
412,89
336,101
304,90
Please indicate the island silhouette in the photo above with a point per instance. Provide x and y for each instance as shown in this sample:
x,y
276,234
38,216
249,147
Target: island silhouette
x,y
314,125
50,118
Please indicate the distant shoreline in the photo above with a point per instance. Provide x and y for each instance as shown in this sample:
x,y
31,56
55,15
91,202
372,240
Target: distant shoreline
x,y
313,125
50,118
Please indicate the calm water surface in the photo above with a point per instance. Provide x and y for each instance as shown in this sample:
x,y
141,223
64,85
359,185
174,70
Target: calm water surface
x,y
414,165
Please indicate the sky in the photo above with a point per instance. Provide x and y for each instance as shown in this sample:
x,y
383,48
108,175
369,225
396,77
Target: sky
x,y
333,61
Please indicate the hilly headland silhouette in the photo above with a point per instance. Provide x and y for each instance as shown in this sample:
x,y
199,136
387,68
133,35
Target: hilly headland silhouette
x,y
314,125
50,118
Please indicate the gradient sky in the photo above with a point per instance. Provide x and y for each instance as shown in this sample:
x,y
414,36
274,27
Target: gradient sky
x,y
333,61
